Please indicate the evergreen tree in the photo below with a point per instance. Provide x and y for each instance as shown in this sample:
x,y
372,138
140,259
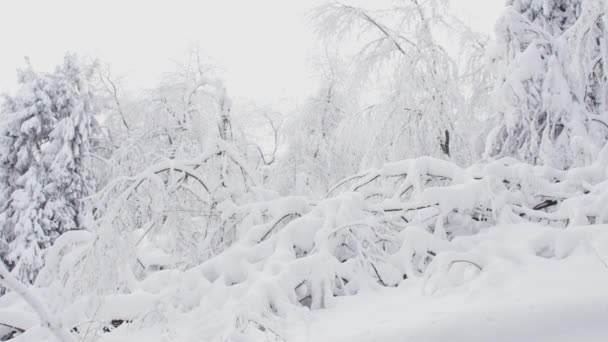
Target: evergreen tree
x,y
28,119
45,140
67,158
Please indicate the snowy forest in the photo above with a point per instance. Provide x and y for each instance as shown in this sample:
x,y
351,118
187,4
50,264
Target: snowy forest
x,y
441,184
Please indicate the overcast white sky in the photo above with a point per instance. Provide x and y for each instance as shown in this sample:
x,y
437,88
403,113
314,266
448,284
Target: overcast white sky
x,y
263,45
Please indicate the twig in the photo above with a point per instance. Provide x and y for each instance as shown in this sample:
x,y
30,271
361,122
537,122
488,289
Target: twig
x,y
466,262
277,223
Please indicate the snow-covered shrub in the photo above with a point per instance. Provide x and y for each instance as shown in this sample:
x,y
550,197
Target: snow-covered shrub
x,y
418,220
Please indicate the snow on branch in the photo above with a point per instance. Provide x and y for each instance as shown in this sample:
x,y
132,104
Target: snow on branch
x,y
47,318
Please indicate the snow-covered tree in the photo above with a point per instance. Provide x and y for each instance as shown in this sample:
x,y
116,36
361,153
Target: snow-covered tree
x,y
182,160
550,82
315,155
68,153
45,140
588,40
28,119
409,86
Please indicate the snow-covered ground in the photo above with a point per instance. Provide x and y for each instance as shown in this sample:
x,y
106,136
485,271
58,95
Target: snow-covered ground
x,y
520,283
527,300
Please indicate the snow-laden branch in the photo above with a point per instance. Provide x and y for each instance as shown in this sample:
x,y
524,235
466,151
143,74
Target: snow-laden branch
x,y
46,317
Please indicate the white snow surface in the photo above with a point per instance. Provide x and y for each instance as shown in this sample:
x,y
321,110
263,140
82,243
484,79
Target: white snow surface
x,y
527,300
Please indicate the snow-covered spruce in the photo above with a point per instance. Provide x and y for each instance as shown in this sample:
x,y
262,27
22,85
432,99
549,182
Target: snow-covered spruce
x,y
45,130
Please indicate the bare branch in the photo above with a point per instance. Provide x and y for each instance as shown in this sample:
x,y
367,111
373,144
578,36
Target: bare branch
x,y
110,86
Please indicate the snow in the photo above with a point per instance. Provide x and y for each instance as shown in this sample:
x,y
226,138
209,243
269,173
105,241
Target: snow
x,y
401,316
168,222
535,299
18,318
524,282
417,257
